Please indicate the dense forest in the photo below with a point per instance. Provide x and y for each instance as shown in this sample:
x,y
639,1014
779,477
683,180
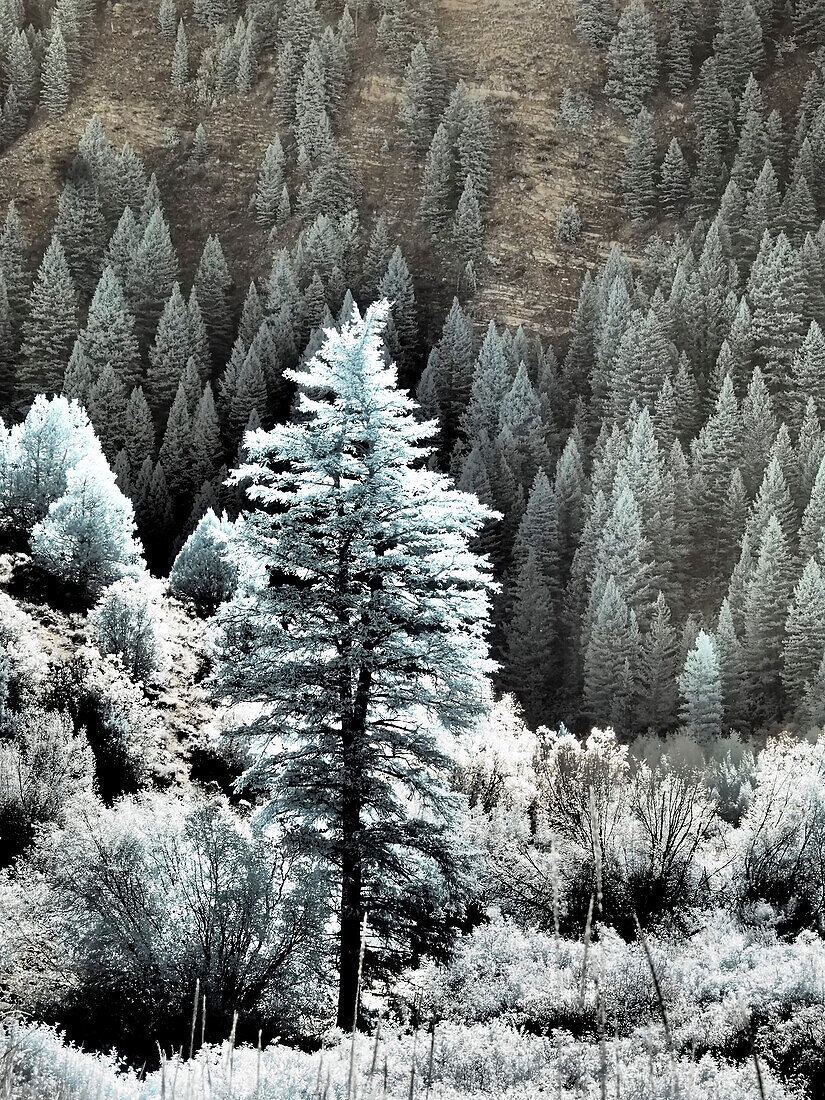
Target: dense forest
x,y
412,549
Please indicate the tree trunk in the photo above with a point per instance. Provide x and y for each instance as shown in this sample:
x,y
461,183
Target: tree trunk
x,y
351,915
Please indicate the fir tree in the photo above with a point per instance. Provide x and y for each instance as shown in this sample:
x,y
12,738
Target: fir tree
x,y
738,44
808,375
530,657
595,22
765,611
107,411
180,58
151,276
468,231
610,662
167,20
678,58
633,61
437,183
475,149
175,453
418,100
108,338
56,78
270,184
674,180
397,287
700,685
139,433
207,450
731,669
170,352
804,633
212,285
51,326
390,672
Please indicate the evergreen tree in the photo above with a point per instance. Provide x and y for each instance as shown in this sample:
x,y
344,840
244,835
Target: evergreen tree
x,y
475,149
678,58
530,657
169,353
437,182
108,338
813,519
397,287
595,22
425,663
775,293
765,611
632,60
658,670
139,433
468,232
610,662
418,100
808,375
207,450
709,179
167,20
205,570
212,285
152,275
176,449
180,58
270,184
107,411
51,326
731,669
738,44
804,633
56,78
674,180
701,688
639,172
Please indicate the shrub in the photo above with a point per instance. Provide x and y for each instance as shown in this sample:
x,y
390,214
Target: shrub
x,y
126,624
781,840
568,224
44,766
205,570
122,729
154,894
575,109
22,666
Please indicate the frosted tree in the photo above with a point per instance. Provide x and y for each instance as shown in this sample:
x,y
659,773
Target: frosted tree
x,y
633,60
167,20
468,232
700,686
611,662
212,286
674,180
87,537
595,22
51,326
364,536
109,338
808,374
270,184
804,633
206,569
180,58
56,77
170,351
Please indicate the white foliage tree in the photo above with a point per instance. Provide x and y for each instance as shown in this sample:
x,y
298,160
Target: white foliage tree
x,y
364,645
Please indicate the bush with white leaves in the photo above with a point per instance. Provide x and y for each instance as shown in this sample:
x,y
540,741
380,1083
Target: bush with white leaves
x,y
126,623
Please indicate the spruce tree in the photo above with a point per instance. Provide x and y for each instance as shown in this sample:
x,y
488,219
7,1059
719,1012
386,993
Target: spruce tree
x,y
139,433
674,180
168,20
808,375
658,671
765,611
151,276
180,58
169,353
175,453
475,149
468,232
700,685
207,450
212,285
418,100
611,662
678,58
55,76
804,633
731,668
423,664
595,22
107,411
51,326
108,338
270,184
530,644
632,59
738,44
397,287
437,182
639,172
